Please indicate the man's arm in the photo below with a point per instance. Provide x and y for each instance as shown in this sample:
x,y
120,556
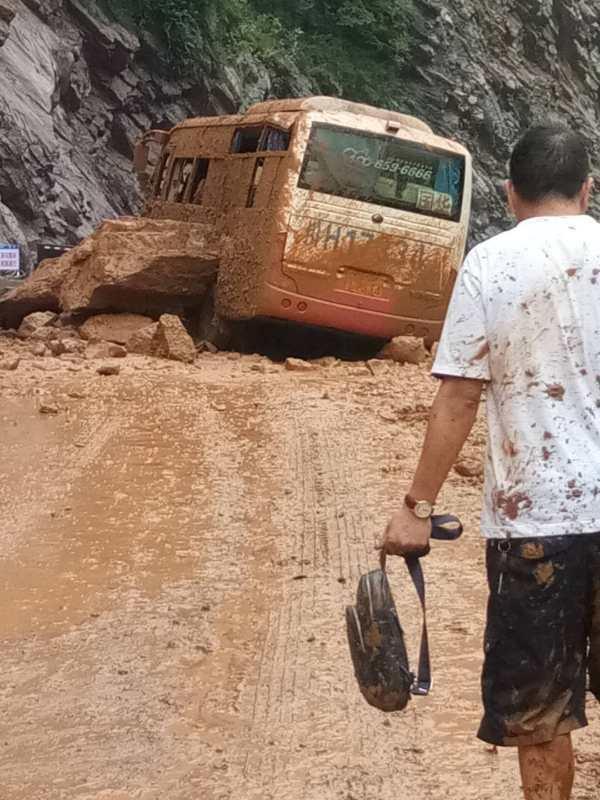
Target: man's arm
x,y
453,414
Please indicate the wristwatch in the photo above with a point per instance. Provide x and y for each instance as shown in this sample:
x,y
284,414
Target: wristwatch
x,y
422,509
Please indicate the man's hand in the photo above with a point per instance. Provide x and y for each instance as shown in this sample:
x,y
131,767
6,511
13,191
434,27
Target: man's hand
x,y
406,535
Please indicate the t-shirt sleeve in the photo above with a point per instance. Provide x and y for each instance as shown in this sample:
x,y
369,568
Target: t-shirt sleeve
x,y
463,351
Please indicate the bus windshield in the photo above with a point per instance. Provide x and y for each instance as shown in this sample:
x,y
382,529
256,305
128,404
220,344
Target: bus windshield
x,y
383,170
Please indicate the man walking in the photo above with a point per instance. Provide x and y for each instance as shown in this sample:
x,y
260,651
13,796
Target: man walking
x,y
524,323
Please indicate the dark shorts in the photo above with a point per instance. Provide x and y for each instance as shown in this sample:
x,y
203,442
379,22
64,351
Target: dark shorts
x,y
542,637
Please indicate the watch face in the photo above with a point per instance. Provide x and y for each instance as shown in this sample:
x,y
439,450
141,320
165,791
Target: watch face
x,y
423,509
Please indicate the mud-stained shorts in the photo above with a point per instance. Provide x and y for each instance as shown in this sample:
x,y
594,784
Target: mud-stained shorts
x,y
542,637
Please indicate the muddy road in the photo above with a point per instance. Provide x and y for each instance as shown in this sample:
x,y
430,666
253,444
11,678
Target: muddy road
x,y
177,548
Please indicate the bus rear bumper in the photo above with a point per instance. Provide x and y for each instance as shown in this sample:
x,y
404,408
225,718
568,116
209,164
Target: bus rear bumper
x,y
301,309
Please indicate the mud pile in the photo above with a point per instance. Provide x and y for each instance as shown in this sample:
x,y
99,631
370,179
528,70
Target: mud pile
x,y
130,264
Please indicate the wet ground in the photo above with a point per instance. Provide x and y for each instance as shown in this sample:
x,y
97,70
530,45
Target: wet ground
x,y
178,545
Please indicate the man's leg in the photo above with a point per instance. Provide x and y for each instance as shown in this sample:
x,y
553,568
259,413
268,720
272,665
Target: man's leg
x,y
547,770
535,663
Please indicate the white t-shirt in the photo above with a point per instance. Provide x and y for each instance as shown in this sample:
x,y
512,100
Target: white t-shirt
x,y
525,316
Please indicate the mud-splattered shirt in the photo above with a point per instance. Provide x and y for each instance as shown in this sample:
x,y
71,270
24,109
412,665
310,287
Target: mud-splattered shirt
x,y
525,317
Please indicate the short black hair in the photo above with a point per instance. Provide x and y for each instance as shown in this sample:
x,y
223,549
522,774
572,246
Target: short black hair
x,y
549,160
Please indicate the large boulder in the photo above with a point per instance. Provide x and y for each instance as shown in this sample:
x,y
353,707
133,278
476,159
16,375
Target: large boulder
x,y
173,341
117,328
141,265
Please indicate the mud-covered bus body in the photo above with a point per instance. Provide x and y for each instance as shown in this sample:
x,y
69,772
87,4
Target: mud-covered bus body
x,y
324,212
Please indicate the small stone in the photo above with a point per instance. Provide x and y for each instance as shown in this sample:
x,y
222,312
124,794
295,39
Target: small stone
x,y
10,364
234,356
117,351
72,345
43,334
56,347
108,369
404,350
97,350
47,407
298,365
32,322
38,349
469,468
173,341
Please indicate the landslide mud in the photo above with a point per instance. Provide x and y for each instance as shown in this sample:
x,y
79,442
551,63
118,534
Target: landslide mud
x,y
178,545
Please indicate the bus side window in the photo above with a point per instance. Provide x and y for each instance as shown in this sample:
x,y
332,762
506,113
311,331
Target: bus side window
x,y
246,140
182,170
195,190
255,183
275,140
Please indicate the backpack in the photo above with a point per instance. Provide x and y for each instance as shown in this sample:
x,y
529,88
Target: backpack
x,y
376,637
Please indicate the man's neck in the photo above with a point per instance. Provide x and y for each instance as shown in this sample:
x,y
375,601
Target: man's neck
x,y
549,208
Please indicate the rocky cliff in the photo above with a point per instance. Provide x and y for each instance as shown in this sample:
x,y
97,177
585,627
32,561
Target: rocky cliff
x,y
75,93
77,88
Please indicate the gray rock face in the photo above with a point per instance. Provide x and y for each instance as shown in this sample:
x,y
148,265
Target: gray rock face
x,y
489,69
76,90
7,14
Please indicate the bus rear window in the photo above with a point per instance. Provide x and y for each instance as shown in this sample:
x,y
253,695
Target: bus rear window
x,y
384,171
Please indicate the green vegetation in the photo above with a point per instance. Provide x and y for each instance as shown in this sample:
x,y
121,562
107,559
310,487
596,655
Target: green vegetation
x,y
352,48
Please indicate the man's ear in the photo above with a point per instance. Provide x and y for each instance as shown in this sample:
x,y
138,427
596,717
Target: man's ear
x,y
510,196
585,193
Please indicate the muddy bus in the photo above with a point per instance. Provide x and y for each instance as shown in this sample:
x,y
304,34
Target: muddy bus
x,y
324,213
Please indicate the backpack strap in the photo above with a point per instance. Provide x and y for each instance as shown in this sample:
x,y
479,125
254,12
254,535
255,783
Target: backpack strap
x,y
423,682
447,528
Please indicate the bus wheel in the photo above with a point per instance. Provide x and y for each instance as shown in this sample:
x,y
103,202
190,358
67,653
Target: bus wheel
x,y
209,326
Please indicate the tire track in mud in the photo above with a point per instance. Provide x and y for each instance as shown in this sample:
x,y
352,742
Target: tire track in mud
x,y
298,691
